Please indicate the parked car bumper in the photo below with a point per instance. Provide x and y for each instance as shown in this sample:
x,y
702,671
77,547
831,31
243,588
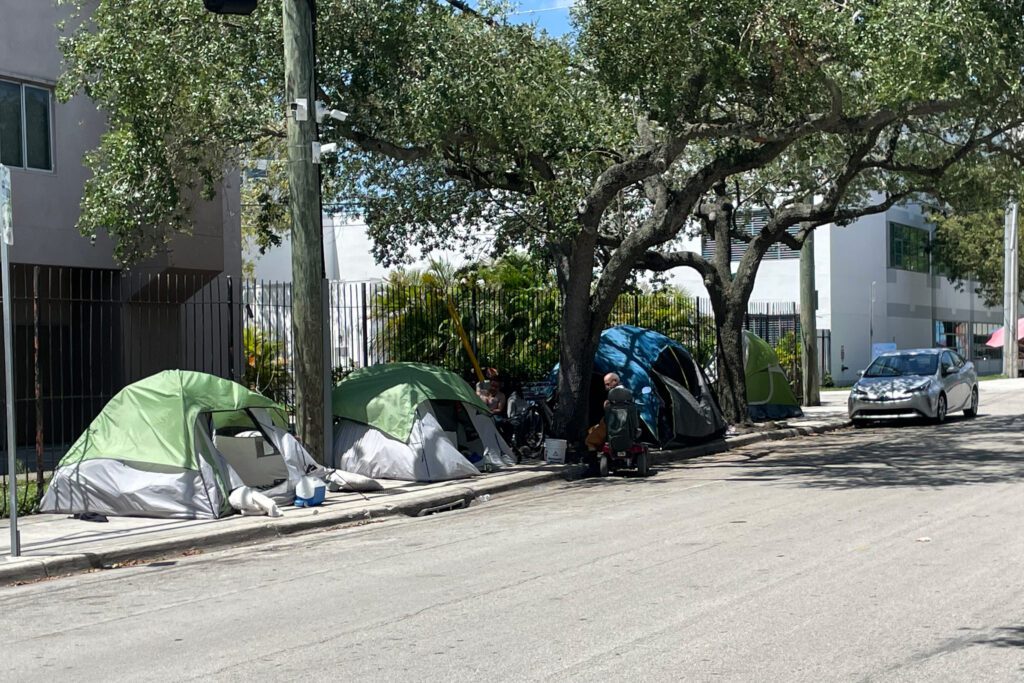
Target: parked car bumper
x,y
912,405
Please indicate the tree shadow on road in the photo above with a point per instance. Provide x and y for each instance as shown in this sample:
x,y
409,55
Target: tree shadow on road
x,y
984,450
1008,636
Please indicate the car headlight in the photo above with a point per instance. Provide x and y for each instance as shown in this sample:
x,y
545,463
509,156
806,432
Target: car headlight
x,y
919,389
858,392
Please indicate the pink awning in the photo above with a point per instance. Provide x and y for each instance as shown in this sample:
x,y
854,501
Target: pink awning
x,y
996,340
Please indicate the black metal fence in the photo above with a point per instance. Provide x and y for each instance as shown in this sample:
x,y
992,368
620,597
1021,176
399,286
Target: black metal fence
x,y
515,330
80,335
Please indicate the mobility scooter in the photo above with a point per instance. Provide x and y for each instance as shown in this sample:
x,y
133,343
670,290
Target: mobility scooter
x,y
623,449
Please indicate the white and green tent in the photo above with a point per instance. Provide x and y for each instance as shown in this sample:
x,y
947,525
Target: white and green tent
x,y
175,445
413,422
769,396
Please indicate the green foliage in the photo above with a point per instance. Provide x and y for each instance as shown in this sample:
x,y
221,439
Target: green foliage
x,y
827,381
29,494
969,218
457,122
510,310
266,368
183,90
789,350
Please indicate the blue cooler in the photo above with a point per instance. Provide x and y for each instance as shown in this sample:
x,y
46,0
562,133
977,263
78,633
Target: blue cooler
x,y
309,491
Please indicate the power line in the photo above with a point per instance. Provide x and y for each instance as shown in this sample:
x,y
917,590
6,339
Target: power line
x,y
542,9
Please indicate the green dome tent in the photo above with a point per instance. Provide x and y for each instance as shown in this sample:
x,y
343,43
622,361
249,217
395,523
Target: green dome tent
x,y
175,445
769,396
413,422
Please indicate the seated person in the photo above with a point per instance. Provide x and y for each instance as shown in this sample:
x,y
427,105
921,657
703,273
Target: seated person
x,y
500,402
483,391
597,434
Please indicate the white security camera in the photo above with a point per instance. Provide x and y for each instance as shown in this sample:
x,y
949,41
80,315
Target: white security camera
x,y
319,150
323,112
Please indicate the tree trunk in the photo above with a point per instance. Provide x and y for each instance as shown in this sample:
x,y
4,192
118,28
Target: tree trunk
x,y
576,356
578,341
732,385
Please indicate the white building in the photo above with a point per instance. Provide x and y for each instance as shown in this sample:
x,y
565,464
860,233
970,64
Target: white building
x,y
874,286
348,254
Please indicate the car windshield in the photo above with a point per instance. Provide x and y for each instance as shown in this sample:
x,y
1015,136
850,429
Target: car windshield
x,y
904,364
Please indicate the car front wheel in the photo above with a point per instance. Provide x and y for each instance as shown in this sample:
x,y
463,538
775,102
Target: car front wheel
x,y
940,409
972,410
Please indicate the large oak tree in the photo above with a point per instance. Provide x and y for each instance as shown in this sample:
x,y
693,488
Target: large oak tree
x,y
598,150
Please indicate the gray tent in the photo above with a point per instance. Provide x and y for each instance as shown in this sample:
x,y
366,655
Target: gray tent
x,y
175,445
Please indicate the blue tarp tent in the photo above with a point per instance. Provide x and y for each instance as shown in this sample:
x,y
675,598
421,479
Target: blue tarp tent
x,y
681,407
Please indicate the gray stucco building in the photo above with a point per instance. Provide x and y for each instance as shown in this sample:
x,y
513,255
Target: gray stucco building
x,y
84,326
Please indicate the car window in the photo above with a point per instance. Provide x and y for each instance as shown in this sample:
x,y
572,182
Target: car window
x,y
958,360
904,364
947,360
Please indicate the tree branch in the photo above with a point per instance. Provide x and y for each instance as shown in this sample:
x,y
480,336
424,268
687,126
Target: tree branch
x,y
659,262
463,7
370,143
831,122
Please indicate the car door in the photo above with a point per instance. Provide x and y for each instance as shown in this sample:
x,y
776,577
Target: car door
x,y
968,377
950,381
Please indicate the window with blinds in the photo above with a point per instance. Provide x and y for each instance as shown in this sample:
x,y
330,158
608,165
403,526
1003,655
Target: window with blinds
x,y
751,223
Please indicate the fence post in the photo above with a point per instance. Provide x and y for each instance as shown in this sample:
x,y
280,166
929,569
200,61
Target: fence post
x,y
231,330
476,321
37,382
698,340
636,310
366,331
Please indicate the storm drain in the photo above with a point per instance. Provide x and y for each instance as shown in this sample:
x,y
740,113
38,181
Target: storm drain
x,y
459,504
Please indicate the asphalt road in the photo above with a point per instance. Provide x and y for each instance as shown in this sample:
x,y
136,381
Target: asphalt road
x,y
888,554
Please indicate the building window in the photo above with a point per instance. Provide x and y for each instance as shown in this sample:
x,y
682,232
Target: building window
x,y
952,335
908,248
982,333
25,130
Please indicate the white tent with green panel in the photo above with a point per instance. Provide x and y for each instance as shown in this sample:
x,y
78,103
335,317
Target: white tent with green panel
x,y
175,445
413,422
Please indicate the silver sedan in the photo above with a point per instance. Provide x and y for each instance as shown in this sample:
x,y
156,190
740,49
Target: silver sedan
x,y
927,383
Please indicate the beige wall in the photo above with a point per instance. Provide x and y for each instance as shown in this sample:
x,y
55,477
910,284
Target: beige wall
x,y
46,204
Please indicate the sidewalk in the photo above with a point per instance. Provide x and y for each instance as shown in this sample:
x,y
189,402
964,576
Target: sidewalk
x,y
54,545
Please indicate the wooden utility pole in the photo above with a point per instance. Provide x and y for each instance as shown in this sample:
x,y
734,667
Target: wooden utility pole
x,y
809,326
306,235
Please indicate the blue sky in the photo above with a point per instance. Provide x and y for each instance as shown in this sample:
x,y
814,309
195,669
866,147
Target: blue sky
x,y
550,15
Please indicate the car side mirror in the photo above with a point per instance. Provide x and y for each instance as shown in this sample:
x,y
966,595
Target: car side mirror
x,y
947,371
860,373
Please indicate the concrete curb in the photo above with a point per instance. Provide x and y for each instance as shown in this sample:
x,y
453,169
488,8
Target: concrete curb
x,y
414,504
